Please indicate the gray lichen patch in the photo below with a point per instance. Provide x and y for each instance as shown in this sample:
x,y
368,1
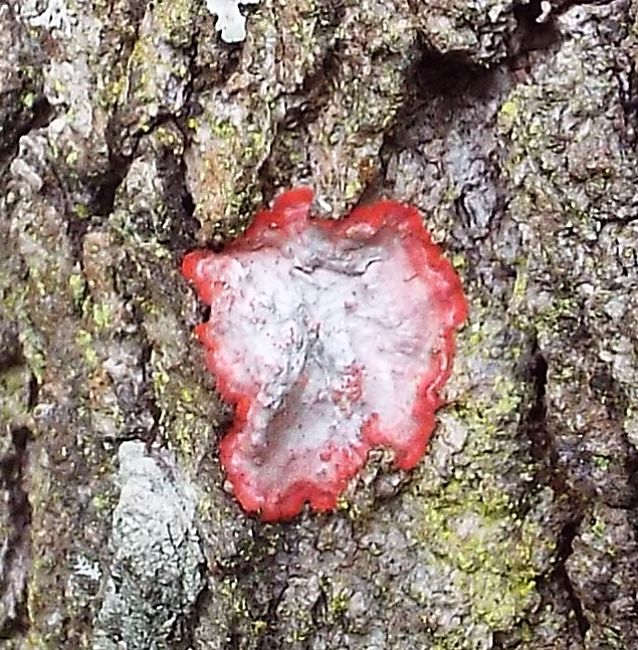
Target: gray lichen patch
x,y
155,575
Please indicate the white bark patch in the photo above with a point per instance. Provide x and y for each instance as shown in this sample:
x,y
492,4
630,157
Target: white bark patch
x,y
230,21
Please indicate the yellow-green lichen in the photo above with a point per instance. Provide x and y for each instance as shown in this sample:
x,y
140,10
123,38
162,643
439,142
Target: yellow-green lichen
x,y
104,502
77,285
259,627
470,522
222,128
475,530
14,395
102,314
84,341
338,603
176,18
28,100
33,350
185,425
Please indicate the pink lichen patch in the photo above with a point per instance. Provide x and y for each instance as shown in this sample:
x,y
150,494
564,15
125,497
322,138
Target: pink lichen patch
x,y
329,337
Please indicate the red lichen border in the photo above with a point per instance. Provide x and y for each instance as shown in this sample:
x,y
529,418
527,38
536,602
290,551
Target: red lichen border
x,y
290,212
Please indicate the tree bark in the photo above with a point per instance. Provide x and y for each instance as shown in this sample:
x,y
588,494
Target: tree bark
x,y
131,133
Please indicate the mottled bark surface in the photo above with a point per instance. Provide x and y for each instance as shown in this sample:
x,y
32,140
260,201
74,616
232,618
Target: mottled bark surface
x,y
130,132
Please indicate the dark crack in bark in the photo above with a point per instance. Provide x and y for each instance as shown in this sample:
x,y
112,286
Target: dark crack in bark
x,y
15,551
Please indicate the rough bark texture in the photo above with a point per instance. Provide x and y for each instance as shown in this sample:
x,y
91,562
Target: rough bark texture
x,y
130,133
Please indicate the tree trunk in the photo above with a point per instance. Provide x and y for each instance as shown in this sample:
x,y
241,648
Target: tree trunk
x,y
130,133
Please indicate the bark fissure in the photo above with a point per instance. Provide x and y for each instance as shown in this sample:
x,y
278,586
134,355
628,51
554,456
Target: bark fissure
x,y
15,552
